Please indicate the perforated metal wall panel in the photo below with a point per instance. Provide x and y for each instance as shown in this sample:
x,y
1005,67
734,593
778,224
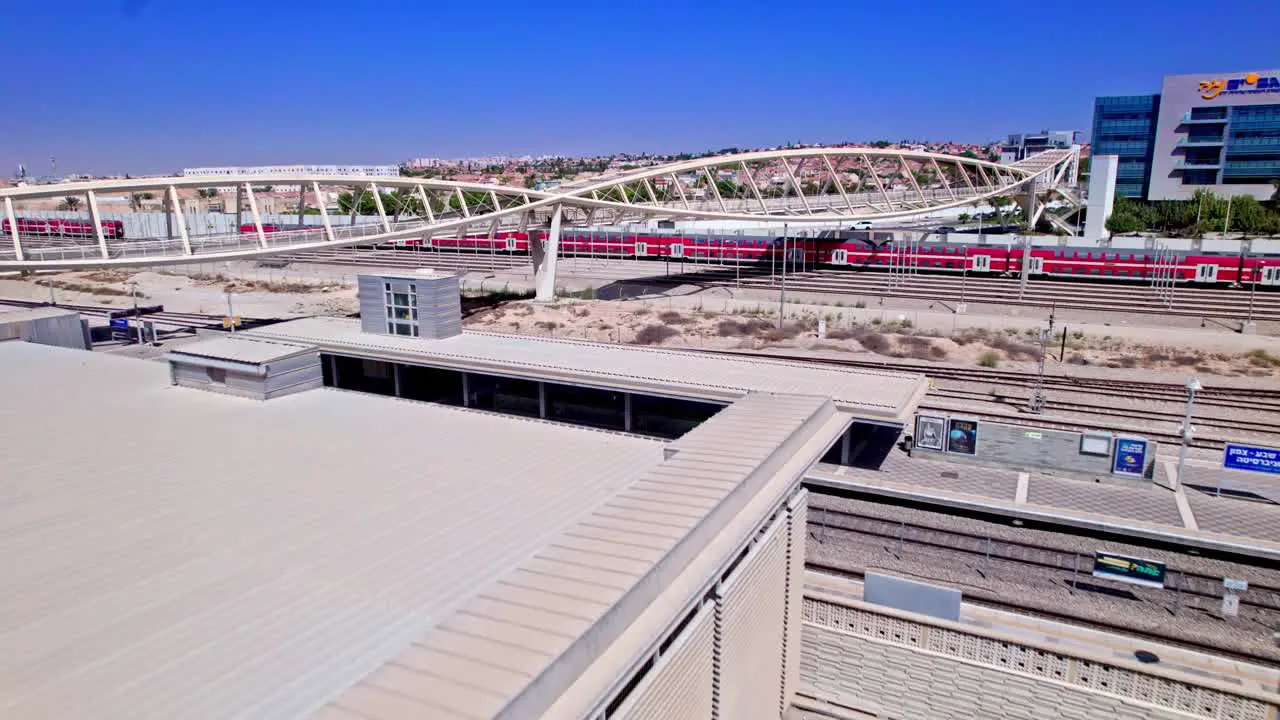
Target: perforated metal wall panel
x,y
750,611
679,685
797,533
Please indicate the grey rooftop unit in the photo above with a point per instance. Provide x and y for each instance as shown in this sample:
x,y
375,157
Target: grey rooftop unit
x,y
252,368
424,304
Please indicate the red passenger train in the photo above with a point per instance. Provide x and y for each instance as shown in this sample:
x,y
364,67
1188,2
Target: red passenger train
x,y
111,229
876,250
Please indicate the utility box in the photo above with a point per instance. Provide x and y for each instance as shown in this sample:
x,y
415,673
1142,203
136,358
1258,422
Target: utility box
x,y
424,304
251,368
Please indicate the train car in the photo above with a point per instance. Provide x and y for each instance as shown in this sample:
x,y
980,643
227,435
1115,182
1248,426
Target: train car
x,y
268,229
111,229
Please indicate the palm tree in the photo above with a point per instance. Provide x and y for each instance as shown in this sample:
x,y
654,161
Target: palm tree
x,y
71,202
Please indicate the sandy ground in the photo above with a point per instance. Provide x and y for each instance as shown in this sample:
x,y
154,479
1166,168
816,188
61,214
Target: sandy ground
x,y
699,322
696,317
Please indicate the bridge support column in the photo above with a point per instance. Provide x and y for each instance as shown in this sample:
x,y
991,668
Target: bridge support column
x,y
545,255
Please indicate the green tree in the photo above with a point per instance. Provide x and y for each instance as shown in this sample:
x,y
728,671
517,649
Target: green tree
x,y
70,202
1275,195
207,193
970,154
1248,215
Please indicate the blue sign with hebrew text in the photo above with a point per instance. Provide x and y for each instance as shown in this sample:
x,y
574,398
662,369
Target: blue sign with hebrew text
x,y
1251,458
1129,457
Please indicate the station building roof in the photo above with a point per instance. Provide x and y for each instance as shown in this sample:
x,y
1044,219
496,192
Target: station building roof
x,y
872,394
254,351
170,552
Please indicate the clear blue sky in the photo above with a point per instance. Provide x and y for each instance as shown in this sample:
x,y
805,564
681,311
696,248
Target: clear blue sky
x,y
154,85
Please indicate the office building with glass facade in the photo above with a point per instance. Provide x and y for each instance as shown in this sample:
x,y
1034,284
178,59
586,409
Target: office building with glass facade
x,y
1219,131
1125,126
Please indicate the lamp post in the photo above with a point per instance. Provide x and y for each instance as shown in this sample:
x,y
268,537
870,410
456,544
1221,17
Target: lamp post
x,y
1193,385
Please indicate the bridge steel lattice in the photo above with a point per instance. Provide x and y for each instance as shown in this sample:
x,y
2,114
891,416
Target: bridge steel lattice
x,y
809,185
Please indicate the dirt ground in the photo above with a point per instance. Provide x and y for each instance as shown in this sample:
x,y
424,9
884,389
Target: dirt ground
x,y
847,332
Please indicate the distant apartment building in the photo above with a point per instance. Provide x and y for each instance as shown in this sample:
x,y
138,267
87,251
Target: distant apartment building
x,y
1219,131
1023,145
300,170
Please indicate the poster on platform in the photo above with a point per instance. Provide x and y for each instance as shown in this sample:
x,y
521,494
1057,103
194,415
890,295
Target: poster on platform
x,y
930,431
962,436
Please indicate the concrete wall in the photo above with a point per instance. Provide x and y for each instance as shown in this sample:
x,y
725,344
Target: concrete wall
x,y
1102,196
1019,446
899,666
64,330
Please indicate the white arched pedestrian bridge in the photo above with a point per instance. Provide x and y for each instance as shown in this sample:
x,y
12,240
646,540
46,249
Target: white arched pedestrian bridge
x,y
810,185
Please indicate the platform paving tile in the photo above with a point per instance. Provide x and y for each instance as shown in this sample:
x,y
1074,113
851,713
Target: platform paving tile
x,y
988,482
1233,516
1144,502
1233,481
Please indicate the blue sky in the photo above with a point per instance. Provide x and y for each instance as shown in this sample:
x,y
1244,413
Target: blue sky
x,y
154,85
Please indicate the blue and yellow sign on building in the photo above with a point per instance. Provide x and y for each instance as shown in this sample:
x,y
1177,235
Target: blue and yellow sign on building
x,y
1250,84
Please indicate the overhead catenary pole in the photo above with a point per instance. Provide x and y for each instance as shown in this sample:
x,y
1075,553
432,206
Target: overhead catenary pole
x,y
782,295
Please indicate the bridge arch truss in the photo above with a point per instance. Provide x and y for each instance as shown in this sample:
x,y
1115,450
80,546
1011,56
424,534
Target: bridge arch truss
x,y
808,185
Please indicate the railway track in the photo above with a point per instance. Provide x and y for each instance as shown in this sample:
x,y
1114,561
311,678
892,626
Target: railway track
x,y
1104,417
956,548
998,603
1039,292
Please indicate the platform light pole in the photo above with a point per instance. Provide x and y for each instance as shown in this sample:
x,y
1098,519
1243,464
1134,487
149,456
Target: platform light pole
x,y
1193,385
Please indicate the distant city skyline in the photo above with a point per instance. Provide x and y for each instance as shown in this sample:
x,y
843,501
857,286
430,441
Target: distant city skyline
x,y
143,87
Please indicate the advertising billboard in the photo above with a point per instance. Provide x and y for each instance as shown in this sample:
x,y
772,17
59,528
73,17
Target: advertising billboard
x,y
1129,457
962,436
1128,569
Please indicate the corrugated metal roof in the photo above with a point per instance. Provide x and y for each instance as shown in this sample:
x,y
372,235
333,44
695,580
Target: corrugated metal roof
x,y
878,394
242,349
174,553
532,631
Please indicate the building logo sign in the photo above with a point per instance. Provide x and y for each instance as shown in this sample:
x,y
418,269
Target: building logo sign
x,y
1251,84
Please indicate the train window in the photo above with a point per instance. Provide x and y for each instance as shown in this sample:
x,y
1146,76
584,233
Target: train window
x,y
1094,271
1108,271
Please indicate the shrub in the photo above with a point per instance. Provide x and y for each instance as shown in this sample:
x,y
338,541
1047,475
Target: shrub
x,y
1185,360
989,359
655,334
873,341
1262,358
860,304
1077,359
1128,361
671,317
840,334
937,352
786,332
736,328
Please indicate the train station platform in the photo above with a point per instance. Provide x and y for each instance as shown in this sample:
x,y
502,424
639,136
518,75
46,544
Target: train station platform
x,y
1239,522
